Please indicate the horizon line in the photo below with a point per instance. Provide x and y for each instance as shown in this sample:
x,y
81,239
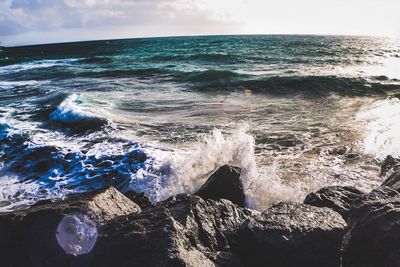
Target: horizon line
x,y
197,35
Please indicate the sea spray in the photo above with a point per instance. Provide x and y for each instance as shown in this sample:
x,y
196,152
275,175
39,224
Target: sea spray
x,y
186,172
382,127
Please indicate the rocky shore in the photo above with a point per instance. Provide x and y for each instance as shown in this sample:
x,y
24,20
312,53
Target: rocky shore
x,y
335,226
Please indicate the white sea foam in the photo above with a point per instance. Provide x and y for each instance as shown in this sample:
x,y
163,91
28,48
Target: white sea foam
x,y
37,64
9,85
14,193
382,127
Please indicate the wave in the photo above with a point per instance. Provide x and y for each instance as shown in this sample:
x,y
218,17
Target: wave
x,y
210,76
36,64
58,166
20,89
96,60
201,57
185,171
32,171
9,85
382,127
319,85
70,114
126,73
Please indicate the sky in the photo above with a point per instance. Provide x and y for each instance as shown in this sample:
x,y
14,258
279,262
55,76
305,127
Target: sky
x,y
24,22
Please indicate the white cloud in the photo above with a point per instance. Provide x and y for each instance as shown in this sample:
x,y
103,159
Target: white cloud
x,y
21,21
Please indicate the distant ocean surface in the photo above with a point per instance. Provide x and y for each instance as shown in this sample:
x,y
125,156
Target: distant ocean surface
x,y
158,115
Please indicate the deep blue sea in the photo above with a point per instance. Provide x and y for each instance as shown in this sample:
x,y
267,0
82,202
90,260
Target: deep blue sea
x,y
159,115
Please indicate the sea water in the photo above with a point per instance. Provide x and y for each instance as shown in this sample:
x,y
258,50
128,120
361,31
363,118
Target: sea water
x,y
158,115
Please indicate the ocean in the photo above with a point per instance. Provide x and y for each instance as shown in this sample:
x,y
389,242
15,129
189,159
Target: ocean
x,y
158,115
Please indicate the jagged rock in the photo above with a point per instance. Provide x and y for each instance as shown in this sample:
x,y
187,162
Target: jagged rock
x,y
210,224
291,234
181,231
389,164
29,237
338,198
224,183
150,238
373,236
140,198
391,169
393,181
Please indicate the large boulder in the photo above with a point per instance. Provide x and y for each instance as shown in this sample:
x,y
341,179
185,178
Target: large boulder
x,y
150,238
52,233
291,234
373,236
224,183
338,198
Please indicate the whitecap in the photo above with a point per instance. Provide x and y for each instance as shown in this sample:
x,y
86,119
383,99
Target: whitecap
x,y
71,112
37,64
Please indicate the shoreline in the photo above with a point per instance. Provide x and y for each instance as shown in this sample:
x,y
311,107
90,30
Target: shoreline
x,y
211,227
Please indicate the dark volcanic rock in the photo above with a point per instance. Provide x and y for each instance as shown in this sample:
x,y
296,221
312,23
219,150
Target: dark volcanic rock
x,y
338,198
391,169
28,237
139,198
224,183
150,238
393,181
291,234
210,224
182,231
373,236
389,164
100,205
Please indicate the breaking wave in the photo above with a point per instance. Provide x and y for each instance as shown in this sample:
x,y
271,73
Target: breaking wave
x,y
69,113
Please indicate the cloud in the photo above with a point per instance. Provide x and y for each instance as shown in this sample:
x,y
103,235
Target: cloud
x,y
29,21
18,16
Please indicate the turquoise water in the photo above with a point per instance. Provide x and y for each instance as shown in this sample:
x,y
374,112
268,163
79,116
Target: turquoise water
x,y
158,115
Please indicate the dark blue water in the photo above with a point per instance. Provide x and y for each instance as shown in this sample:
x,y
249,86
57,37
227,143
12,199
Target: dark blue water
x,y
158,115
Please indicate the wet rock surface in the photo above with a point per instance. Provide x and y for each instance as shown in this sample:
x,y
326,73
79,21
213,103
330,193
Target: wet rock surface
x,y
373,236
182,231
393,180
338,198
140,198
292,234
390,163
224,183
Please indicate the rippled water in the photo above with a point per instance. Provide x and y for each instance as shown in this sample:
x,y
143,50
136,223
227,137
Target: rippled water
x,y
158,115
